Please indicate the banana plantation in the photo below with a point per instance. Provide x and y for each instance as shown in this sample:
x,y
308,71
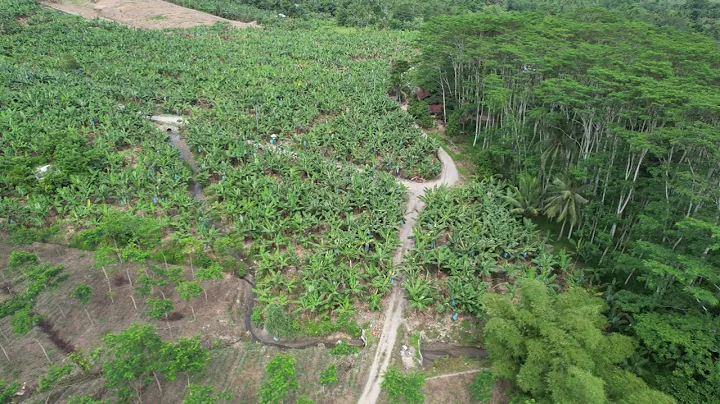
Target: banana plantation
x,y
468,242
79,109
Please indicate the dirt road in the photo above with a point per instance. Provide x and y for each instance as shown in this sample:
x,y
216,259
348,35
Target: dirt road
x,y
146,14
394,311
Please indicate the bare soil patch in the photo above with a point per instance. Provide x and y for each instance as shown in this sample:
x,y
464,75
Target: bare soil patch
x,y
146,14
454,389
218,320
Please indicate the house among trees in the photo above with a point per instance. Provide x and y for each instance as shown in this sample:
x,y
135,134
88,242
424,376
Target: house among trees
x,y
435,109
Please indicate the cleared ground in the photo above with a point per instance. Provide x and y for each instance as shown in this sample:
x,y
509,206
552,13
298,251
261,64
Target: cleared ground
x,y
146,14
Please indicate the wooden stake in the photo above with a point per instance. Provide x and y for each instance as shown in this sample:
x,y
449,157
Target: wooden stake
x,y
129,279
45,352
109,286
61,312
88,316
158,382
6,355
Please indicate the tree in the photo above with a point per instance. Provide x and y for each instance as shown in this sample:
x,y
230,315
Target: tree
x,y
280,379
399,87
526,198
686,348
214,271
553,347
132,356
563,203
188,291
136,355
159,307
186,355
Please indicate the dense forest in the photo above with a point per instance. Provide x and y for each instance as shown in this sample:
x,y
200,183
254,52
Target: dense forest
x,y
619,121
685,15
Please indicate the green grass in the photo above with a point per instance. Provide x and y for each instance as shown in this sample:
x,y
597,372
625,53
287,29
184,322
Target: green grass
x,y
451,365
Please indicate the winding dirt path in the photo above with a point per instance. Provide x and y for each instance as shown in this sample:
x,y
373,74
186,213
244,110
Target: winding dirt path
x,y
394,310
467,372
393,316
146,14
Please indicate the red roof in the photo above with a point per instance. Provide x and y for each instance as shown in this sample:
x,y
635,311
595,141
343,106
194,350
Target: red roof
x,y
436,108
422,94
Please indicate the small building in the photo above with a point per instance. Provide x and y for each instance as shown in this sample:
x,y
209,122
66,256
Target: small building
x,y
421,94
435,109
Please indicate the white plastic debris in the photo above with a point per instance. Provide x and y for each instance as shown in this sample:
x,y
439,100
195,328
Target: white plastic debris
x,y
41,172
172,122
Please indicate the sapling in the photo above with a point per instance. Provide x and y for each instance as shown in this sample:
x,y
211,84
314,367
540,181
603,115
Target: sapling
x,y
82,293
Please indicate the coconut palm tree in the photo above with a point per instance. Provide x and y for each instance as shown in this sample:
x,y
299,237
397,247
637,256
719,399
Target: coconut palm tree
x,y
563,203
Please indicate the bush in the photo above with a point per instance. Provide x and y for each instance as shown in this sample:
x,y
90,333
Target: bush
x,y
122,229
280,380
329,375
404,388
54,375
278,322
7,390
82,293
453,127
19,258
21,235
484,162
23,321
83,400
344,349
481,388
200,394
420,110
159,307
344,323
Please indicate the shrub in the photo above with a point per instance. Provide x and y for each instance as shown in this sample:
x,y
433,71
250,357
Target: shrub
x,y
481,388
83,400
280,380
159,307
23,321
54,374
278,322
22,235
199,394
420,111
82,293
404,388
329,375
344,349
20,258
7,390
